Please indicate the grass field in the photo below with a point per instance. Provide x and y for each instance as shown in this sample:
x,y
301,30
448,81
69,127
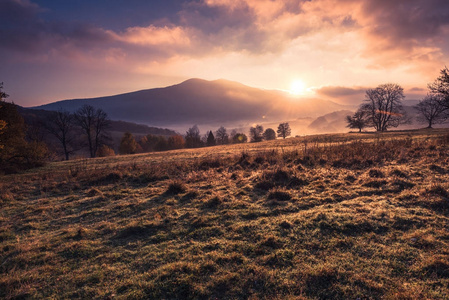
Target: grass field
x,y
345,216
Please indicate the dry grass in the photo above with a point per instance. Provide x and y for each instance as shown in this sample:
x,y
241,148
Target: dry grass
x,y
325,217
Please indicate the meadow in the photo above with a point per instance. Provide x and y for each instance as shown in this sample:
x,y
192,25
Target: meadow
x,y
342,216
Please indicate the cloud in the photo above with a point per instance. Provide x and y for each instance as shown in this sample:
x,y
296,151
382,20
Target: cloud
x,y
22,30
392,32
404,32
407,21
153,35
417,89
339,91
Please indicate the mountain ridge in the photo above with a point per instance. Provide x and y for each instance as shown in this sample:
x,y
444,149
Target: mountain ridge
x,y
198,101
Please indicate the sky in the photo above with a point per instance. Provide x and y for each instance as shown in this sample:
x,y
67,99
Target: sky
x,y
331,49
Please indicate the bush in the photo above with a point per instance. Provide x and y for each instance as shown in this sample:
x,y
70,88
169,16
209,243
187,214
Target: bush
x,y
105,151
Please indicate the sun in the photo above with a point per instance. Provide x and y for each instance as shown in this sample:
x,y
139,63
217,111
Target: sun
x,y
298,87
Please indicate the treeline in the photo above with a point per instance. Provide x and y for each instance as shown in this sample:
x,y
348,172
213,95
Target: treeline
x,y
194,139
383,109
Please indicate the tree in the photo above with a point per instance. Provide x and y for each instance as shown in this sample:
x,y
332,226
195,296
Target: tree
x,y
105,151
16,152
384,106
210,139
3,96
239,138
256,133
440,87
359,120
151,143
221,135
176,142
284,130
162,144
94,123
61,125
269,134
193,138
128,144
431,110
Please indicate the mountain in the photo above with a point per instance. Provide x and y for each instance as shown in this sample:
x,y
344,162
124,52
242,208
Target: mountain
x,y
197,101
331,123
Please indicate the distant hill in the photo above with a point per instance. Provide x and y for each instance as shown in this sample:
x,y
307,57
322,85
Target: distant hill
x,y
202,102
331,123
33,116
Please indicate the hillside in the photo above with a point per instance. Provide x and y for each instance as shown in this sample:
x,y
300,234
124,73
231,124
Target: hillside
x,y
34,116
201,102
339,216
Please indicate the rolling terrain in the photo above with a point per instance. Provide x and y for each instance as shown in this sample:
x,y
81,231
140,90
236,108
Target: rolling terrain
x,y
341,216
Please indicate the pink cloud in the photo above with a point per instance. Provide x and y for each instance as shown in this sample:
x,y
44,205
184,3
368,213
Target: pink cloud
x,y
153,36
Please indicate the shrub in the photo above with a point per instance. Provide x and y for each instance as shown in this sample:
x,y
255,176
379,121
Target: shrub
x,y
105,151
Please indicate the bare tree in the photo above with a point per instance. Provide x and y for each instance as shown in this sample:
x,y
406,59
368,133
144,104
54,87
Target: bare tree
x,y
222,136
284,130
359,120
431,111
256,133
94,123
440,87
61,125
101,124
384,106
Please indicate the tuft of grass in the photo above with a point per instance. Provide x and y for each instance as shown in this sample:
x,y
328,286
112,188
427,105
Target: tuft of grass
x,y
175,188
376,173
279,195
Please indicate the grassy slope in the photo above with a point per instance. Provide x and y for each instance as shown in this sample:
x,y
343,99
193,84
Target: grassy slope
x,y
324,217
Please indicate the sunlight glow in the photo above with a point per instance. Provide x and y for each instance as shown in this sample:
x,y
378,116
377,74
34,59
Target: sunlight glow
x,y
298,87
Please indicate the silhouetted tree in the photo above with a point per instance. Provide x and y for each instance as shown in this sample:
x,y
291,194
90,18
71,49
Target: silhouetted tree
x,y
94,123
256,133
61,125
431,111
359,120
269,134
128,144
239,138
221,136
284,130
440,87
193,138
210,139
384,106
